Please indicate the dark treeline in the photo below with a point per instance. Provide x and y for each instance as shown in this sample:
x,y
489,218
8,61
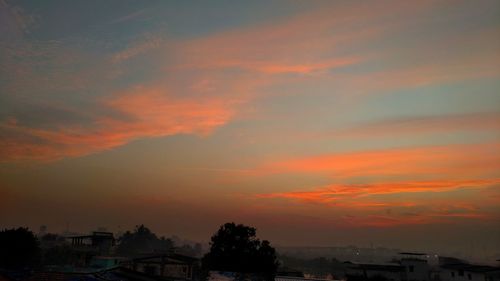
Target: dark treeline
x,y
143,241
234,247
21,248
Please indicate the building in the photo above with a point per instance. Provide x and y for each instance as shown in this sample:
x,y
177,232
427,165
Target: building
x,y
416,266
166,265
100,242
389,271
469,272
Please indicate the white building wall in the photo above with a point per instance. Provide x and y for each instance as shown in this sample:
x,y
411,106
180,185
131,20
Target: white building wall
x,y
416,270
457,275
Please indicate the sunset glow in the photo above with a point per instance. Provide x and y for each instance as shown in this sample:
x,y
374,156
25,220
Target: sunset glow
x,y
302,118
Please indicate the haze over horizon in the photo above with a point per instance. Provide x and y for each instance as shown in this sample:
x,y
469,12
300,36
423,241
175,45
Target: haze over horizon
x,y
318,122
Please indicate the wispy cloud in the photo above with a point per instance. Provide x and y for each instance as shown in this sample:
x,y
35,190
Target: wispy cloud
x,y
394,204
141,47
130,17
452,160
142,112
200,83
472,122
337,193
14,21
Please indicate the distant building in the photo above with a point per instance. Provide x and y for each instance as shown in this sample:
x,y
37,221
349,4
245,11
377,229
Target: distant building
x,y
469,272
100,242
416,266
390,271
166,265
410,267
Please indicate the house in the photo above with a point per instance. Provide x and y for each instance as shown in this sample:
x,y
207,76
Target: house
x,y
416,266
166,265
389,271
99,241
469,272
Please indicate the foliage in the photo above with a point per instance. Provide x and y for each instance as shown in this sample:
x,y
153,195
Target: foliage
x,y
51,237
235,248
19,248
188,250
62,255
142,241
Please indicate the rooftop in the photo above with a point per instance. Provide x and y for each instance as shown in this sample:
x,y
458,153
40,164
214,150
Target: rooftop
x,y
471,267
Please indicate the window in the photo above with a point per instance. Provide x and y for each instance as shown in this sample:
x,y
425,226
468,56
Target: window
x,y
410,268
461,273
453,274
469,276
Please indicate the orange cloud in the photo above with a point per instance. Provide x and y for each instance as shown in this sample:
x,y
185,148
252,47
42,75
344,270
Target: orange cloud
x,y
359,205
469,160
375,212
304,68
308,43
302,44
334,193
420,219
144,112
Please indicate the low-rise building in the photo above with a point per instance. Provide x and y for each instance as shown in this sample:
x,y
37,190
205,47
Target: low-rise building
x,y
469,272
98,241
166,265
389,271
416,266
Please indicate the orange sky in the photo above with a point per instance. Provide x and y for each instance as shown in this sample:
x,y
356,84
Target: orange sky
x,y
317,122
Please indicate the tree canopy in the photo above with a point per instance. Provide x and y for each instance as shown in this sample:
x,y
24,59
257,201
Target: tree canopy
x,y
19,248
236,248
142,241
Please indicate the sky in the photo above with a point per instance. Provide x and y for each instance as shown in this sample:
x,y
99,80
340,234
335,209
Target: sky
x,y
321,123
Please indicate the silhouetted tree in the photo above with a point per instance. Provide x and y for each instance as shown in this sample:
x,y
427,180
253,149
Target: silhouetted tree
x,y
236,248
189,250
19,249
142,241
62,255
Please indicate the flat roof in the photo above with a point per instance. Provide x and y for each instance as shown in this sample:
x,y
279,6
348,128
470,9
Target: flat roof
x,y
412,254
382,267
471,267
